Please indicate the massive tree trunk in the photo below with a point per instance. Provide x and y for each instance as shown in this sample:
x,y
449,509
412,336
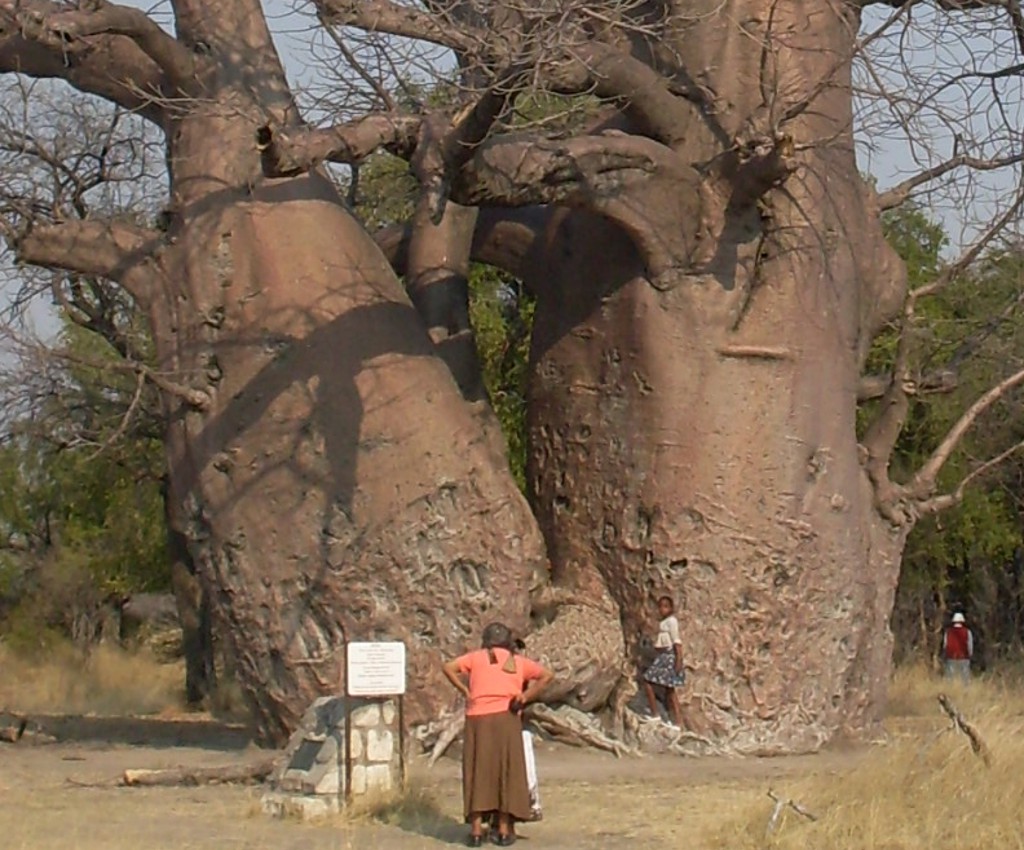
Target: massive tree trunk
x,y
335,487
698,438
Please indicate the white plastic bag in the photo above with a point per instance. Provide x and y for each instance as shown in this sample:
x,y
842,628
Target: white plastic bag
x,y
531,775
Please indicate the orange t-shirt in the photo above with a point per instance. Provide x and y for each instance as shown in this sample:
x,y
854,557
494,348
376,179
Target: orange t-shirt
x,y
490,688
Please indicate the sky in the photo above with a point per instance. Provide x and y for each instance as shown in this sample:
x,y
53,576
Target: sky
x,y
935,49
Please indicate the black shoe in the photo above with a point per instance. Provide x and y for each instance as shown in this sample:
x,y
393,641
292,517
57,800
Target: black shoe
x,y
475,841
504,840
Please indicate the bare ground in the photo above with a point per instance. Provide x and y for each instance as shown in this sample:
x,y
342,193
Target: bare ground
x,y
50,799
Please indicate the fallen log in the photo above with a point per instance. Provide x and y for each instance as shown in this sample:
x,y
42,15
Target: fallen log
x,y
238,774
959,722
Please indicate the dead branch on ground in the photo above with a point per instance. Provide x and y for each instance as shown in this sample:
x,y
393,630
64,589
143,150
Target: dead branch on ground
x,y
781,804
960,723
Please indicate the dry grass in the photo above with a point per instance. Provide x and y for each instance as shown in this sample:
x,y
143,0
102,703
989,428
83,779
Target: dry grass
x,y
416,808
108,682
925,789
917,792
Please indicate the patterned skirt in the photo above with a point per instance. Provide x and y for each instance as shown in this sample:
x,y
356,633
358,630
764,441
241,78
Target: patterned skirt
x,y
663,671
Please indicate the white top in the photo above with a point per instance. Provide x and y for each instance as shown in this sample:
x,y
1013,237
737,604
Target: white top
x,y
668,633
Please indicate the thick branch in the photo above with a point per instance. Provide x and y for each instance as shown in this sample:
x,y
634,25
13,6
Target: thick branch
x,y
390,18
176,60
645,94
109,66
901,192
923,483
289,152
612,174
503,238
109,249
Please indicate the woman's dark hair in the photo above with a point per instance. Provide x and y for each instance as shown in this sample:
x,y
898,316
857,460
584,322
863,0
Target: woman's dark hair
x,y
669,600
497,636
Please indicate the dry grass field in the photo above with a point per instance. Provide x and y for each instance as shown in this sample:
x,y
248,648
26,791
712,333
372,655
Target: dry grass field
x,y
920,788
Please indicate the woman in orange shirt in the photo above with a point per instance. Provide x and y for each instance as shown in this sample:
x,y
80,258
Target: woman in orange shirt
x,y
493,763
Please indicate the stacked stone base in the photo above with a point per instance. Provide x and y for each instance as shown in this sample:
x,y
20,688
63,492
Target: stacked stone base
x,y
312,776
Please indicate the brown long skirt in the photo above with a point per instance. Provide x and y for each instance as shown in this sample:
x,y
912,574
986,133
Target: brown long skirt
x,y
494,767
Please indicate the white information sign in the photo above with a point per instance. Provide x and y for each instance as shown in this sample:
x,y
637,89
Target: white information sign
x,y
376,669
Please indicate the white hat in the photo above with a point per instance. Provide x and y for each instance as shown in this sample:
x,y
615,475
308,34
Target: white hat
x,y
958,619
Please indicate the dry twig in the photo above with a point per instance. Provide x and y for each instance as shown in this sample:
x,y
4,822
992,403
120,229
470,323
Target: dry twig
x,y
781,804
959,722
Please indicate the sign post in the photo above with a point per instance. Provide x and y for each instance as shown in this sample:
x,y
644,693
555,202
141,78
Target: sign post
x,y
373,669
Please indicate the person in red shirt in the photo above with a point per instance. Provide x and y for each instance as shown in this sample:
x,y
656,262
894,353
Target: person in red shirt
x,y
958,649
494,779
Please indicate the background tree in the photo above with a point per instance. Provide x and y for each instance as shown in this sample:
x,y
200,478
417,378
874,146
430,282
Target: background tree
x,y
709,271
967,557
81,510
89,398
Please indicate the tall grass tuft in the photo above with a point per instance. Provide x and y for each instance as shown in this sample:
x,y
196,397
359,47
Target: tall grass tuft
x,y
108,681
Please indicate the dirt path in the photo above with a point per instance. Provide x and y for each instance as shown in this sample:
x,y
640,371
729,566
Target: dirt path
x,y
591,800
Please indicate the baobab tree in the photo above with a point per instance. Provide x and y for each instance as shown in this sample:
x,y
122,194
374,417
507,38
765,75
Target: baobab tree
x,y
710,273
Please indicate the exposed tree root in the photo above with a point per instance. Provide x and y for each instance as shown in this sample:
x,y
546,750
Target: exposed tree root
x,y
655,736
572,726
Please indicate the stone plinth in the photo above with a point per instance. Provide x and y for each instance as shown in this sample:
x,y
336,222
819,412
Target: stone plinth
x,y
311,778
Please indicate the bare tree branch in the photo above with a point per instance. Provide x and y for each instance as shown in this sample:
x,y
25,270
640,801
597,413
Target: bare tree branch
x,y
384,16
923,483
644,93
937,504
287,152
1012,8
96,311
901,192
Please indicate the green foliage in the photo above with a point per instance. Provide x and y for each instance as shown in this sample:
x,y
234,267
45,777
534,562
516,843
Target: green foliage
x,y
81,504
972,329
502,316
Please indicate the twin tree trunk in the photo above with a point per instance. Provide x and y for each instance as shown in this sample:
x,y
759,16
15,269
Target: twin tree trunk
x,y
697,440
